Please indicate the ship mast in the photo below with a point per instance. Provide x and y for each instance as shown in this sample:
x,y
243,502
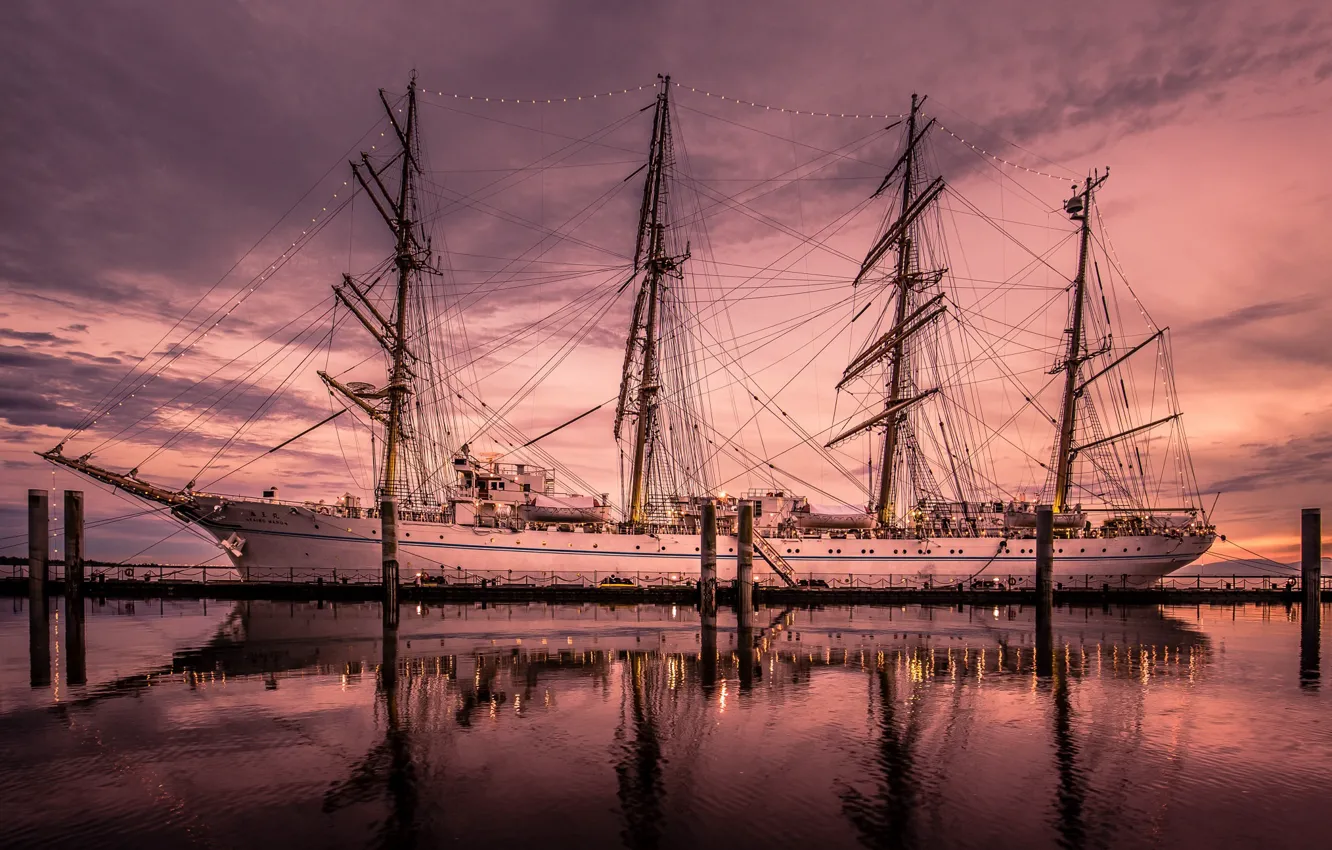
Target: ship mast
x,y
651,251
390,332
405,258
1079,209
903,296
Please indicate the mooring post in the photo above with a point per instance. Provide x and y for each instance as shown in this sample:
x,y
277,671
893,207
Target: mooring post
x,y
39,547
744,558
1311,578
1311,555
73,542
1044,590
388,538
707,575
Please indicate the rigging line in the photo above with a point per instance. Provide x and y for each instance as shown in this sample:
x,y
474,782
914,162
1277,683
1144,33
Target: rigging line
x,y
956,194
1073,174
228,272
766,107
237,387
519,168
540,131
795,426
199,382
178,350
785,139
276,393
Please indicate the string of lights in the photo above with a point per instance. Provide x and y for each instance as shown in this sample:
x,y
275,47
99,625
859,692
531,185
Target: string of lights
x,y
810,112
998,159
539,100
255,283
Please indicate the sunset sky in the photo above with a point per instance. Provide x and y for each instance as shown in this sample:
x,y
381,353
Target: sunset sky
x,y
152,147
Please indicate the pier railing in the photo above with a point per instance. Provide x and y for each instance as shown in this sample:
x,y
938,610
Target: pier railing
x,y
222,574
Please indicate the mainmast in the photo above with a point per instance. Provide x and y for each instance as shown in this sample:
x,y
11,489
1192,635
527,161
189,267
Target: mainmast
x,y
886,465
651,227
652,257
1079,209
900,235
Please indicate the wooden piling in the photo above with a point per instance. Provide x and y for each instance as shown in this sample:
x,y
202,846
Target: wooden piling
x,y
388,538
1311,576
707,576
1311,556
744,558
39,547
73,543
1044,590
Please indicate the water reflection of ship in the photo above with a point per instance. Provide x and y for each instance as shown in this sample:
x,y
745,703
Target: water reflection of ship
x,y
924,670
459,639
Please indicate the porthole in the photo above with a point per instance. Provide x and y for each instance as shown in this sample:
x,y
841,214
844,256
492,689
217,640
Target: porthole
x,y
1139,548
829,551
950,551
862,551
871,551
638,547
1061,551
1102,550
409,534
594,545
441,537
839,551
732,550
695,548
797,551
1125,548
788,551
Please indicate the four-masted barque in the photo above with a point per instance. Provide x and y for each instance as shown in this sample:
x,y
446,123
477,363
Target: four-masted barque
x,y
931,513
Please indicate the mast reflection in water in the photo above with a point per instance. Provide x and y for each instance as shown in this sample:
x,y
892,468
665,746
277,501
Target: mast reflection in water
x,y
602,725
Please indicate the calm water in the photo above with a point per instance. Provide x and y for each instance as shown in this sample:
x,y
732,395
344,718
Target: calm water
x,y
252,724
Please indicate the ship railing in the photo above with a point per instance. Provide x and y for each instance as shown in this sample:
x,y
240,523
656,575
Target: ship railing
x,y
150,574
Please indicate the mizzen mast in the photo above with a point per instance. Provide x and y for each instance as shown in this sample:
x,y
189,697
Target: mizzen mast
x,y
1079,209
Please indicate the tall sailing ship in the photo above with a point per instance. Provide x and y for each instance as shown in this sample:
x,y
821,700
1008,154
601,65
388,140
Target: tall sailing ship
x,y
933,508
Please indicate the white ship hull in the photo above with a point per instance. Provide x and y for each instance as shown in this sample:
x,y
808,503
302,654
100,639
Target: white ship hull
x,y
269,541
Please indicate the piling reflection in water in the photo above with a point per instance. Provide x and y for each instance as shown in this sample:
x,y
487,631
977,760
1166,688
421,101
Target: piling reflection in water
x,y
76,651
39,642
1311,616
388,771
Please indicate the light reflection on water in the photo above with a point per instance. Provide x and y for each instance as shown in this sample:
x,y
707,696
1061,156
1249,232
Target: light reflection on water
x,y
226,724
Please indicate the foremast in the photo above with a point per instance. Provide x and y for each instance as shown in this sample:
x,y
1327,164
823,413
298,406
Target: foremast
x,y
1079,209
390,332
640,381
